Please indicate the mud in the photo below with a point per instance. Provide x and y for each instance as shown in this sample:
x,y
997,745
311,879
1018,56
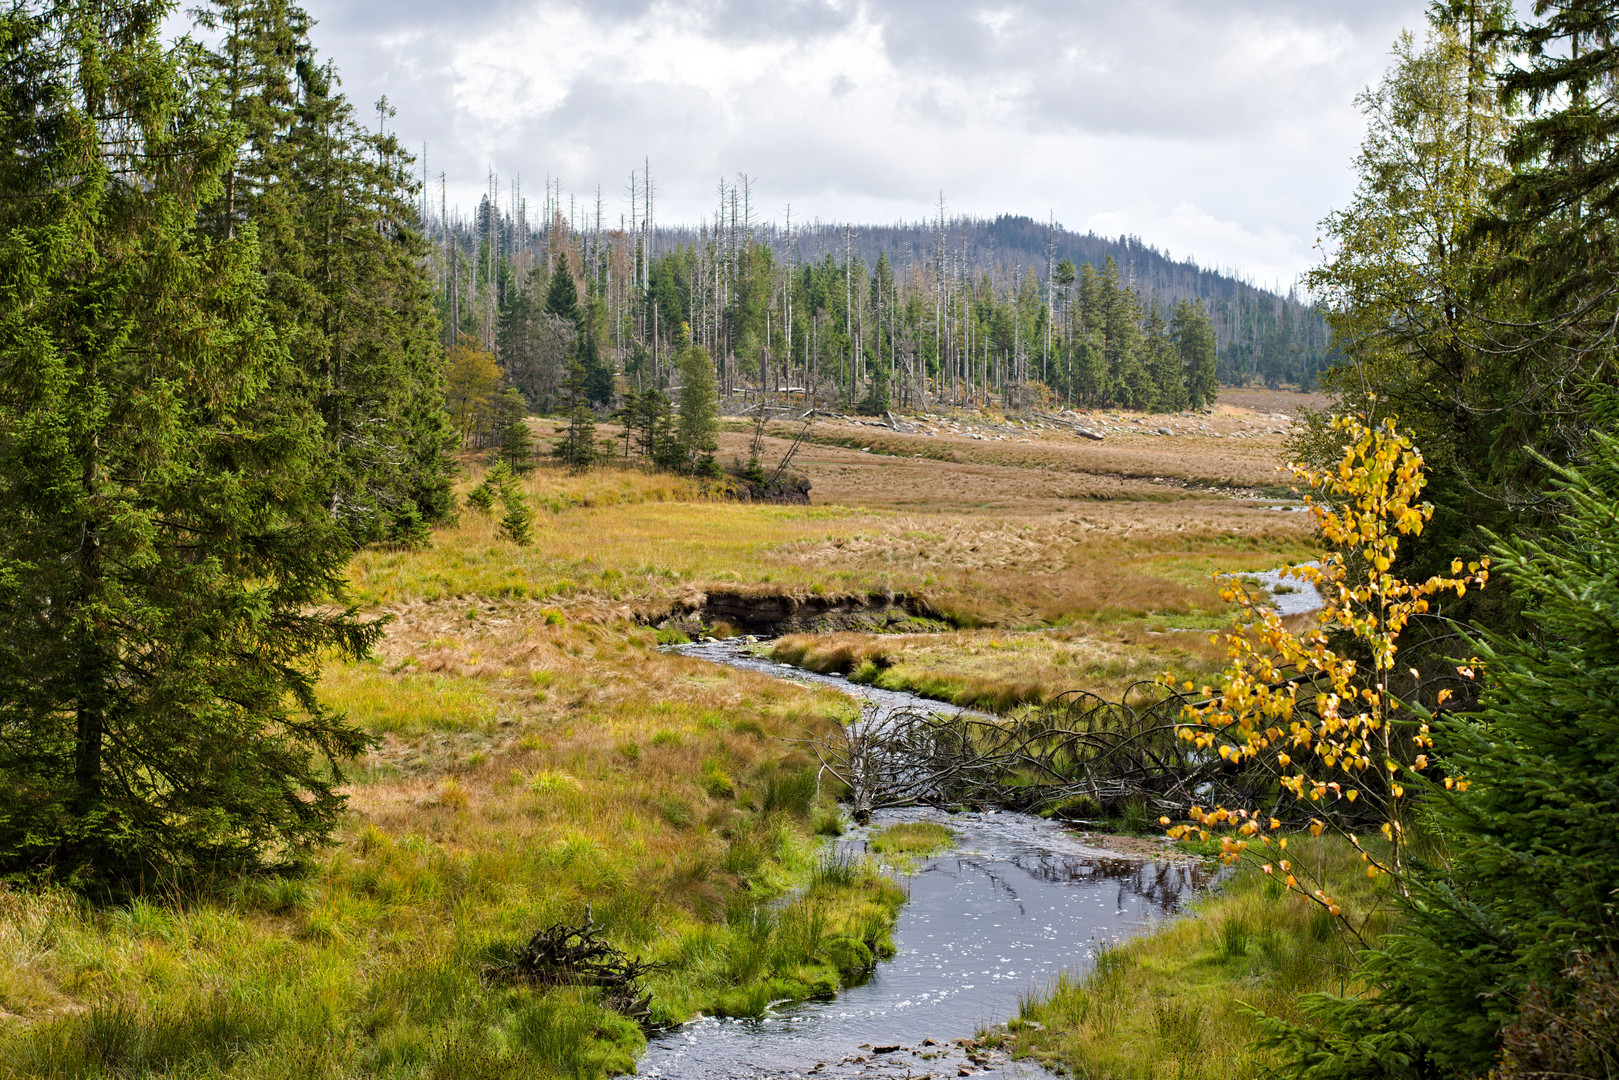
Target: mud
x,y
770,615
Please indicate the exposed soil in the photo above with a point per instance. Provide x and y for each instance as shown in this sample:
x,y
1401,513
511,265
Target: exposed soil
x,y
770,614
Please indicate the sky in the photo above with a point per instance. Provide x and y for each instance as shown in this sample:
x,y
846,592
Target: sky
x,y
1220,130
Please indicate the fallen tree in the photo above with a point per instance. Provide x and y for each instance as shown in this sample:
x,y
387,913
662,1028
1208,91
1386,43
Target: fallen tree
x,y
1078,753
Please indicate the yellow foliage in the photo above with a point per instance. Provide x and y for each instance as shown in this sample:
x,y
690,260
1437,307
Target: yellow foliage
x,y
1362,509
472,379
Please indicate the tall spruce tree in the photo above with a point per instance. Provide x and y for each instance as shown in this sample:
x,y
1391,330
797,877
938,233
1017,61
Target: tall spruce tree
x,y
576,442
697,419
1194,344
1090,369
1129,383
341,248
1163,365
170,570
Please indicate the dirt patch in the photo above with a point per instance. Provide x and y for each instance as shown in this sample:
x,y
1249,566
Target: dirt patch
x,y
770,614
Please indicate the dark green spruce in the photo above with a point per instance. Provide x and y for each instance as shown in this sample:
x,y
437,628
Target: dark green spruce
x,y
170,568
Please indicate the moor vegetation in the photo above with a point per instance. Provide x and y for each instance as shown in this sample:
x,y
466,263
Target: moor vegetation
x,y
337,738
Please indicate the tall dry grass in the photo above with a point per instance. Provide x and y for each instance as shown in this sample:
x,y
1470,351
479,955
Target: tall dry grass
x,y
528,767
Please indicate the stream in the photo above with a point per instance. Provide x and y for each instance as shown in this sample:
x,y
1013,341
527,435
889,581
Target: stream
x,y
1018,900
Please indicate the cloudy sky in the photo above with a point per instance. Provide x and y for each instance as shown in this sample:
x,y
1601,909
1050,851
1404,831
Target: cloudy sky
x,y
1219,129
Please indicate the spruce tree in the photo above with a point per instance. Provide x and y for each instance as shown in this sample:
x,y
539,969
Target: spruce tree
x,y
1163,365
170,570
1090,368
334,208
534,344
1195,346
697,422
576,443
1494,935
651,416
517,446
600,381
562,296
1128,381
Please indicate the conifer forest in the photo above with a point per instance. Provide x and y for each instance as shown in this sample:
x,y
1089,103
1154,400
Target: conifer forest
x,y
553,635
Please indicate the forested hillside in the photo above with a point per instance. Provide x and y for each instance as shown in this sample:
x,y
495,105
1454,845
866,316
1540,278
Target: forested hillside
x,y
861,316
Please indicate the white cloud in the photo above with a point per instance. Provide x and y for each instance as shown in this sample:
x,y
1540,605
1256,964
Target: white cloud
x,y
1220,130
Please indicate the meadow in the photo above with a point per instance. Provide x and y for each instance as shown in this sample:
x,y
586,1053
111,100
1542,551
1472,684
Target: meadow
x,y
536,756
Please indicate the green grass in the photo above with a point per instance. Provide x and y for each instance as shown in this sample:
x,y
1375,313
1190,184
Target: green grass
x,y
651,788
1176,1004
912,838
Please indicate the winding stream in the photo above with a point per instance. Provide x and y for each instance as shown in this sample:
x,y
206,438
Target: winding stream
x,y
1017,901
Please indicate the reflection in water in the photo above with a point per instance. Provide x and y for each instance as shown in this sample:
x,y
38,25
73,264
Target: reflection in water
x,y
1160,883
1018,900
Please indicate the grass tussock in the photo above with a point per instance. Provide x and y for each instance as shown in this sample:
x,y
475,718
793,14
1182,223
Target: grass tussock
x,y
997,670
1177,1003
912,838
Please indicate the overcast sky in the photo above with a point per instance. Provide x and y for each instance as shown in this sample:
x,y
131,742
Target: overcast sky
x,y
1219,129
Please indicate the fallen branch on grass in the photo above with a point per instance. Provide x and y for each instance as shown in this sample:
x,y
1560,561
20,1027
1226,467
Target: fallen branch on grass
x,y
564,955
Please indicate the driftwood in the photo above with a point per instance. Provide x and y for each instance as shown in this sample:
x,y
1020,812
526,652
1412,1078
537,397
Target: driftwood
x,y
1079,746
564,955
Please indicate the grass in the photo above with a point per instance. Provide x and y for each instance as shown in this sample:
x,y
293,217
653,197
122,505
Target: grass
x,y
526,768
1178,1003
537,755
912,838
998,670
619,540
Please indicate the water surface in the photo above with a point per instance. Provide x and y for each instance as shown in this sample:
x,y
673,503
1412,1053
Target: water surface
x,y
1019,900
1015,902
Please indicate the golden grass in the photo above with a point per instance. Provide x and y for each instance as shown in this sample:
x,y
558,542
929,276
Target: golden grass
x,y
622,542
537,754
999,670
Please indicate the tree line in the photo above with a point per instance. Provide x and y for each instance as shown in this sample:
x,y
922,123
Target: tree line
x,y
834,330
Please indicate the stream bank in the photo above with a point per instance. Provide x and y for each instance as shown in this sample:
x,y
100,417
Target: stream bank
x,y
772,614
1017,903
